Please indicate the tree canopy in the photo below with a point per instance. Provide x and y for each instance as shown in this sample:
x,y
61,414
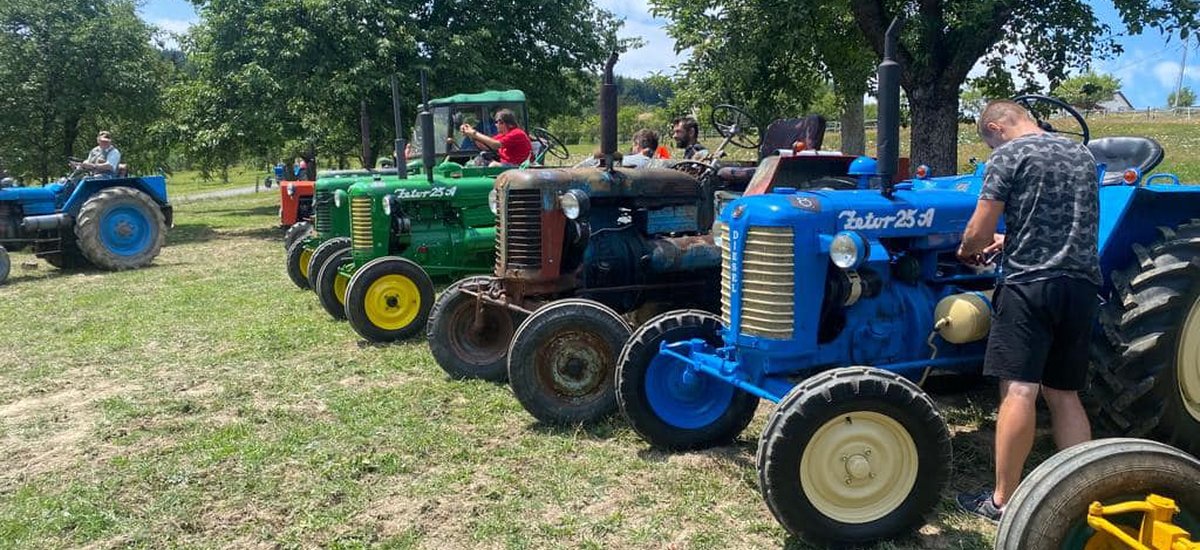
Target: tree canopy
x,y
1087,90
1186,98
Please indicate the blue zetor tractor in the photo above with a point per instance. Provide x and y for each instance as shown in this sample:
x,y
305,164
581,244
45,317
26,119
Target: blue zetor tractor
x,y
838,304
110,223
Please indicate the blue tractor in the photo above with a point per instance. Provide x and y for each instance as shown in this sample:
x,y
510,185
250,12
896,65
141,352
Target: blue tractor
x,y
838,304
110,223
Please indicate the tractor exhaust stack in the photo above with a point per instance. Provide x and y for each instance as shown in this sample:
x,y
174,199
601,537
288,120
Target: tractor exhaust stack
x,y
608,113
887,152
426,118
401,162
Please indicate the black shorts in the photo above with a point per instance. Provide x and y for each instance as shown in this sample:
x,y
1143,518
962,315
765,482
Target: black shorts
x,y
1040,332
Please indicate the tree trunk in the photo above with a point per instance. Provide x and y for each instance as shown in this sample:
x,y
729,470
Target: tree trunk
x,y
70,134
854,137
934,129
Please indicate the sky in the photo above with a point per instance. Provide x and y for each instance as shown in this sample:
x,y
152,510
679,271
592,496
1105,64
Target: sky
x,y
1148,68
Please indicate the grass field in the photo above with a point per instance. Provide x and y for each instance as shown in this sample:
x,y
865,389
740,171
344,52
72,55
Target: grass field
x,y
206,402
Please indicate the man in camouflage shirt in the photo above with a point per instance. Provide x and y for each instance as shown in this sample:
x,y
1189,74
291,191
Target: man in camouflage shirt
x,y
1044,308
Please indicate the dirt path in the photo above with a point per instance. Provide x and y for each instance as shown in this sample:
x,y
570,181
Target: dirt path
x,y
209,195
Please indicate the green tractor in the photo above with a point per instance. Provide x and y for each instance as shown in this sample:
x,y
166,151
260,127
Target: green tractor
x,y
403,231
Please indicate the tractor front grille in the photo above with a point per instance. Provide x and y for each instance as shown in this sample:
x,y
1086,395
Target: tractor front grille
x,y
768,281
322,220
360,223
519,230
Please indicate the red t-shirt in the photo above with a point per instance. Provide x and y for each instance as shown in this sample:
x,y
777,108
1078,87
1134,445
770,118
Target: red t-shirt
x,y
515,146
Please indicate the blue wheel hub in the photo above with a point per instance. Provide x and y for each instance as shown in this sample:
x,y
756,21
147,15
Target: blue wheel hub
x,y
684,397
125,231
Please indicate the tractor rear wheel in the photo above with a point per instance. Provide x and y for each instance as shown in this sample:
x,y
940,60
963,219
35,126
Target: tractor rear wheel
x,y
330,285
389,299
470,340
853,455
120,228
561,363
1145,376
5,265
297,231
64,254
1050,507
321,254
669,404
298,257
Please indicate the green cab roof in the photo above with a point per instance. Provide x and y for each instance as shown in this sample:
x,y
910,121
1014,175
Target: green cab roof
x,y
489,96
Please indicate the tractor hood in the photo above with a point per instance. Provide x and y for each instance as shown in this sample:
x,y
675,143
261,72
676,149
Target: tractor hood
x,y
663,184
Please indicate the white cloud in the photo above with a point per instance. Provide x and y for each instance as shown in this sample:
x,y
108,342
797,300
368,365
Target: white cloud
x,y
1167,73
177,26
658,53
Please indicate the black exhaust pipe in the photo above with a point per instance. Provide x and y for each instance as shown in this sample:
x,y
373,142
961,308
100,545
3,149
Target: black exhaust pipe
x,y
398,156
426,130
887,153
608,113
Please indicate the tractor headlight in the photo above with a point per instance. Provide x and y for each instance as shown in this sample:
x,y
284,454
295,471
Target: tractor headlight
x,y
291,189
387,204
848,250
574,204
494,201
339,198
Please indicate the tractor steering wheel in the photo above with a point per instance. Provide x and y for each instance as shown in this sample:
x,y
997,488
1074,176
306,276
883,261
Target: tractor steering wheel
x,y
736,125
697,169
550,145
1029,100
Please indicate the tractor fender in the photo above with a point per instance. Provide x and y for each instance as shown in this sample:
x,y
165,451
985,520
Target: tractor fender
x,y
1132,215
154,186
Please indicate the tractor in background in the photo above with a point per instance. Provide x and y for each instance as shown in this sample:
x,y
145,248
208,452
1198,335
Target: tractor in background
x,y
838,304
577,250
112,223
296,209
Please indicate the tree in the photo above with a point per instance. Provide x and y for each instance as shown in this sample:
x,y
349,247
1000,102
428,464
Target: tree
x,y
1087,90
1186,98
70,68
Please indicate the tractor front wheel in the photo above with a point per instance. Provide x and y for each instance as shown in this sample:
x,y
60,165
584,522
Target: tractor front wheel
x,y
5,265
853,455
666,401
562,361
330,285
298,257
297,231
120,228
470,339
321,254
1146,359
389,299
1050,507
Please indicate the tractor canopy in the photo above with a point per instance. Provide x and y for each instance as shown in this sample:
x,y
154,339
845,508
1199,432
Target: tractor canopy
x,y
478,110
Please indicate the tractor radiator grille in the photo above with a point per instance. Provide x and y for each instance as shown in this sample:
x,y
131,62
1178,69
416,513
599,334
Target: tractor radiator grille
x,y
321,214
518,230
360,223
768,282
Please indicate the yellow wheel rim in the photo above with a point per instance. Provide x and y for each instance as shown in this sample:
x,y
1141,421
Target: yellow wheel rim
x,y
859,467
305,256
339,287
1187,362
392,302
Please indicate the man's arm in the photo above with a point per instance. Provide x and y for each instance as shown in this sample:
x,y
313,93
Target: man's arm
x,y
480,139
980,236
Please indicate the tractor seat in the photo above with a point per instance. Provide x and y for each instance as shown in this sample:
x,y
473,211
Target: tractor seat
x,y
1124,152
122,170
782,133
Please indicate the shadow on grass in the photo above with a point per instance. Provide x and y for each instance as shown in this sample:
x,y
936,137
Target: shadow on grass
x,y
265,210
192,233
601,430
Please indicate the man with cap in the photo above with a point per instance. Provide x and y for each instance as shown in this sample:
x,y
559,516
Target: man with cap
x,y
104,158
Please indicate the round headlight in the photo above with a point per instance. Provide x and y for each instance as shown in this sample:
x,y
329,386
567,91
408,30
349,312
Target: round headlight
x,y
387,204
339,197
494,201
848,250
574,204
291,189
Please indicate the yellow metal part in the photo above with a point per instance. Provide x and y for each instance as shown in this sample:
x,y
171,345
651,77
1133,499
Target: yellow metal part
x,y
360,223
392,302
962,318
859,467
1157,532
339,287
768,280
305,256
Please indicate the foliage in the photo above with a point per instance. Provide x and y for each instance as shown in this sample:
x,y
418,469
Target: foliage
x,y
655,90
1087,90
1186,98
69,69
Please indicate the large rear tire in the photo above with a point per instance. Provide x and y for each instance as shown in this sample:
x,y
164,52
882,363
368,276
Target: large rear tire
x,y
853,455
5,265
562,362
467,347
298,257
389,299
330,285
1049,509
1146,359
120,228
297,231
63,254
668,404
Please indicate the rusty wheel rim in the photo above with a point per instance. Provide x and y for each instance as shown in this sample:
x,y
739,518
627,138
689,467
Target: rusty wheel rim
x,y
480,345
573,365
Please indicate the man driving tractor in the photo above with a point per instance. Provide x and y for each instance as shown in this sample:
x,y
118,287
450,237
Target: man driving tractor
x,y
103,160
512,144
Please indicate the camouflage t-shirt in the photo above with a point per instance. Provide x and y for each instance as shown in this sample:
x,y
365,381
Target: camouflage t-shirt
x,y
1051,207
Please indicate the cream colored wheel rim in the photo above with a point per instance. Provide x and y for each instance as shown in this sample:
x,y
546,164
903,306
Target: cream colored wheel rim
x,y
1187,362
859,467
